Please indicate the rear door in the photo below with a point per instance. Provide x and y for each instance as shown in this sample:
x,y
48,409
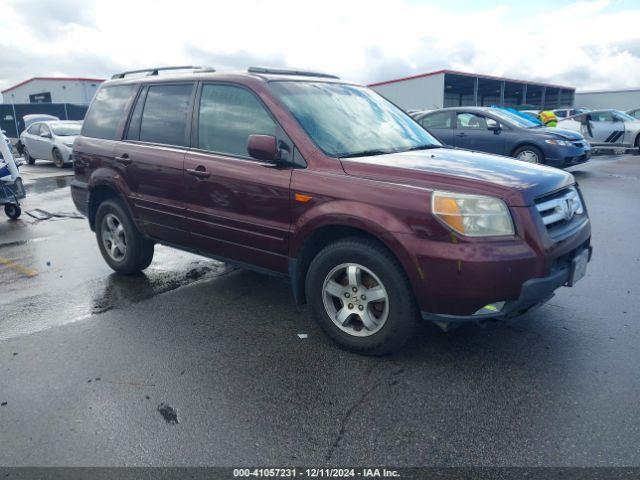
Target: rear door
x,y
473,132
238,207
440,125
151,158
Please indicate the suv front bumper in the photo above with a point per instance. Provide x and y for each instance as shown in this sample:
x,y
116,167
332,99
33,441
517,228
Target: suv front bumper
x,y
535,292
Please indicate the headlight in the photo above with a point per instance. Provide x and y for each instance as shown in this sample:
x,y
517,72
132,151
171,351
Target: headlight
x,y
472,215
564,143
68,144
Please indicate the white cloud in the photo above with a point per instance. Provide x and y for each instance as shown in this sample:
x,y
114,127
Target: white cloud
x,y
586,44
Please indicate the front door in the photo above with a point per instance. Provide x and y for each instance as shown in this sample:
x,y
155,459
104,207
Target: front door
x,y
478,132
151,159
238,207
40,146
604,127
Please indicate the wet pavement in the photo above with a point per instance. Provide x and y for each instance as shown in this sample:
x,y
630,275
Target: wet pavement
x,y
195,363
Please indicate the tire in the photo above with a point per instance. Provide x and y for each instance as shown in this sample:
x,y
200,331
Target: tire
x,y
57,158
12,211
122,246
531,151
637,144
378,268
30,160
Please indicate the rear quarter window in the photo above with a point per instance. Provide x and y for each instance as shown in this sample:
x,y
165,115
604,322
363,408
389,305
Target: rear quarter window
x,y
107,111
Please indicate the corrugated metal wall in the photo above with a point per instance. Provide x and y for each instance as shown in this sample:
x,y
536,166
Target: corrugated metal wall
x,y
620,100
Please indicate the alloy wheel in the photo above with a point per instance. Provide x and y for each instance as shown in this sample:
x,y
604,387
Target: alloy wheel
x,y
355,299
113,237
528,156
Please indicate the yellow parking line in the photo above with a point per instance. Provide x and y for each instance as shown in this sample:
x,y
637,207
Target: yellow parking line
x,y
29,272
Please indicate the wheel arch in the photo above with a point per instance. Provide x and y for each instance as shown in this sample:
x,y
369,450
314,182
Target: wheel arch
x,y
317,239
527,143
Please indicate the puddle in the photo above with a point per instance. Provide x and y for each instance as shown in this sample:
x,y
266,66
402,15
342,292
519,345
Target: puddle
x,y
47,184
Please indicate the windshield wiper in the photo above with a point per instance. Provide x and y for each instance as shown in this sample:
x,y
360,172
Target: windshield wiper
x,y
364,153
422,147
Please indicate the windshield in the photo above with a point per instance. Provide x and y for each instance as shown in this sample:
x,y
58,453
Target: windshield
x,y
624,116
514,118
348,121
66,129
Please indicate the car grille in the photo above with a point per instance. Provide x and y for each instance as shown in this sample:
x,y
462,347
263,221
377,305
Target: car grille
x,y
561,210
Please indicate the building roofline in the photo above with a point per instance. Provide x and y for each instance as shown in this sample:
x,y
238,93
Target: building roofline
x,y
62,79
620,90
467,74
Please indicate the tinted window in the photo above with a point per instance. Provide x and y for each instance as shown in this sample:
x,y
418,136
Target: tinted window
x,y
561,113
164,119
106,111
228,115
133,133
437,120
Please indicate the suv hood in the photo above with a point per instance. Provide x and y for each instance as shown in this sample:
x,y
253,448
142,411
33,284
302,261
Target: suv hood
x,y
517,182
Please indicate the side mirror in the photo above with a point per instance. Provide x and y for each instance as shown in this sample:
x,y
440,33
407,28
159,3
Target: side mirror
x,y
495,128
263,147
45,135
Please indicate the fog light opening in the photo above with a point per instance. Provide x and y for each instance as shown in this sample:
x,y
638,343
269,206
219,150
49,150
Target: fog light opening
x,y
491,308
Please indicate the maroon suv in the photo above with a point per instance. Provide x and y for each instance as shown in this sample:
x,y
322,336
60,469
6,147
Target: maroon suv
x,y
303,175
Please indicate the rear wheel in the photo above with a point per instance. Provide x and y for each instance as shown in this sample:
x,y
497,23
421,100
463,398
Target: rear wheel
x,y
57,158
529,153
123,247
360,297
28,158
12,211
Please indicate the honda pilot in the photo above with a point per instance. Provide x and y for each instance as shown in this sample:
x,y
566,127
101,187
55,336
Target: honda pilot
x,y
302,175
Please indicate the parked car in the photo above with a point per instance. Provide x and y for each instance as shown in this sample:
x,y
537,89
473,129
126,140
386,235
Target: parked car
x,y
605,127
569,112
635,113
498,131
28,120
50,141
303,175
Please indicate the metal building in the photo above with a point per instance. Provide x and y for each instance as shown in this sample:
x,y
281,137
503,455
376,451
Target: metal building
x,y
618,99
448,88
76,90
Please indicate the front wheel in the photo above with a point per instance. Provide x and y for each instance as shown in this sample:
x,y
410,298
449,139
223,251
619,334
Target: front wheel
x,y
58,161
122,246
360,297
30,160
12,211
529,153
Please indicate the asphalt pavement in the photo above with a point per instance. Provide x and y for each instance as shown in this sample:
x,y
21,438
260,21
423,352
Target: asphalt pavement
x,y
198,363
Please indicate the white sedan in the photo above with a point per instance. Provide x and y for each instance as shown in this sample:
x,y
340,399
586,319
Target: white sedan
x,y
51,141
605,127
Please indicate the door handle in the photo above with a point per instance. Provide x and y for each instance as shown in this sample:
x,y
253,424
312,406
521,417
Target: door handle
x,y
124,159
462,134
198,172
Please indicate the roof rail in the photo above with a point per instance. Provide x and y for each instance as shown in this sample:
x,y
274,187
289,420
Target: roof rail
x,y
155,70
289,71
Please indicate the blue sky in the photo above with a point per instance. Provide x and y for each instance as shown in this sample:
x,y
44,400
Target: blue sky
x,y
589,44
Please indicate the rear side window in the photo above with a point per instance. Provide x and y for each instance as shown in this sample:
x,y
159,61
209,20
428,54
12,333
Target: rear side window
x,y
107,111
437,120
164,118
228,115
34,129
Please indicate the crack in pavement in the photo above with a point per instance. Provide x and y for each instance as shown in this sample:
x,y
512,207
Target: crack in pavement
x,y
346,417
351,410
